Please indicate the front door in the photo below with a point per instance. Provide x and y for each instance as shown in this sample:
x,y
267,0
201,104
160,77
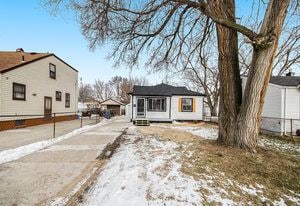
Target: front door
x,y
140,109
47,107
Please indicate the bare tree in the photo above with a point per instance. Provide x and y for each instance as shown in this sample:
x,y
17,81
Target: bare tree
x,y
118,87
288,52
85,93
161,30
99,90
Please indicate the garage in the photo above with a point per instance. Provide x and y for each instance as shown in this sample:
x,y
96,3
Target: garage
x,y
113,105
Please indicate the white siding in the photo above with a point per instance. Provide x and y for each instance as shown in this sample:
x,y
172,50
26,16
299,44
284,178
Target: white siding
x,y
197,115
292,103
38,85
154,116
175,114
273,104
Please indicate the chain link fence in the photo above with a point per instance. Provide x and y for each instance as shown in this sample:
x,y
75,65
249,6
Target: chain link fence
x,y
283,126
60,122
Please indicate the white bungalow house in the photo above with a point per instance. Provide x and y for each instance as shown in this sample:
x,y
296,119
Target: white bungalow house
x,y
35,84
165,103
281,111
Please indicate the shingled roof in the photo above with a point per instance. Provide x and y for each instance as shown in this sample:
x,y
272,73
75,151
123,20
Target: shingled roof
x,y
285,80
163,90
10,60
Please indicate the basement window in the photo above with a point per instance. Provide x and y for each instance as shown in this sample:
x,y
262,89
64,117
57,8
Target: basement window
x,y
19,122
19,91
52,71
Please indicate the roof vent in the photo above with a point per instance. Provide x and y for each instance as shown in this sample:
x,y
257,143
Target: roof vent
x,y
23,58
19,50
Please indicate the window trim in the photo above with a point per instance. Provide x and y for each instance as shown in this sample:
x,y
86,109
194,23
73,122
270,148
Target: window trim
x,y
161,110
13,93
56,99
182,110
67,100
50,72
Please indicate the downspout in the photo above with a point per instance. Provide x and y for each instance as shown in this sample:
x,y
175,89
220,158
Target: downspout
x,y
131,107
170,107
284,111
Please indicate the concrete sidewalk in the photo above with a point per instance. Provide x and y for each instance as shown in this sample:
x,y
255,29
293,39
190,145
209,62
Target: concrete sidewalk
x,y
10,139
40,177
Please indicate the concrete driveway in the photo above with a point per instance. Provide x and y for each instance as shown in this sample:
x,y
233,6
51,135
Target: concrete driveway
x,y
19,137
40,177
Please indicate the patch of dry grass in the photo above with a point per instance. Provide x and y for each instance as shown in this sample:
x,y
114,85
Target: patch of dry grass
x,y
168,134
278,172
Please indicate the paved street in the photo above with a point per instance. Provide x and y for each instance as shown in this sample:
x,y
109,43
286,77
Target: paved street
x,y
54,171
18,137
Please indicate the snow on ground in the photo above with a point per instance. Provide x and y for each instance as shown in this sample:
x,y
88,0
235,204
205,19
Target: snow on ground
x,y
137,175
211,132
147,171
16,153
280,145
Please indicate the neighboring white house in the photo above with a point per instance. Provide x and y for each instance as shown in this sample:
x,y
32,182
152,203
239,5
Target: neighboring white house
x,y
35,84
281,111
164,102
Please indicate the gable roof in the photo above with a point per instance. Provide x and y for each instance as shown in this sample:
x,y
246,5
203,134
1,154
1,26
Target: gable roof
x,y
111,101
10,60
285,80
163,90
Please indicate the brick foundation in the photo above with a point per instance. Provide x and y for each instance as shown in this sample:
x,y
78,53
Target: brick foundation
x,y
11,124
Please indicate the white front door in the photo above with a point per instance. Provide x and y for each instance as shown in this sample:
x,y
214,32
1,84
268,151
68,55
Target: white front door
x,y
140,108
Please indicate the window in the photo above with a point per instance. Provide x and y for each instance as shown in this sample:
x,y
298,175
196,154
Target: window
x,y
67,100
58,96
52,71
19,122
187,104
157,104
19,91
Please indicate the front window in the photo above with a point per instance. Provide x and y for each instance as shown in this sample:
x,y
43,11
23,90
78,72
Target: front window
x,y
52,71
19,91
157,104
58,96
67,100
187,104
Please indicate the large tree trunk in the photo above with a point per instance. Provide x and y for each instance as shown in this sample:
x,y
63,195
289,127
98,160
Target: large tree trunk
x,y
240,119
249,117
230,82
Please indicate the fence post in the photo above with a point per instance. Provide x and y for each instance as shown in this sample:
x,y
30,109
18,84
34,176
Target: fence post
x,y
291,127
53,125
81,121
